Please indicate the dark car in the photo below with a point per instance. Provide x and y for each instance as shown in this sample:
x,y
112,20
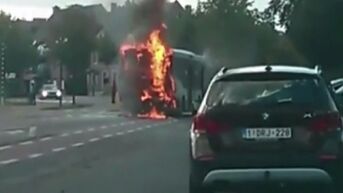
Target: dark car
x,y
266,127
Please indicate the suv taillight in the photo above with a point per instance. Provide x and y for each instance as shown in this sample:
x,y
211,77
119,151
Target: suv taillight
x,y
202,124
326,123
202,127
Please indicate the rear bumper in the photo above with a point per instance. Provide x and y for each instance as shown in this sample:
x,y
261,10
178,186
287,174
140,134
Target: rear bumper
x,y
257,170
269,175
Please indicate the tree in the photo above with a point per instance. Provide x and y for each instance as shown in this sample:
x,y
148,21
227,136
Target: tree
x,y
181,30
229,30
74,38
315,29
20,54
107,50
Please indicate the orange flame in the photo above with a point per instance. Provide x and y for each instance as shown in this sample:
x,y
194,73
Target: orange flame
x,y
153,114
159,71
145,96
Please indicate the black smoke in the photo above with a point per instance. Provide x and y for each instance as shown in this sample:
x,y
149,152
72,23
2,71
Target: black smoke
x,y
147,15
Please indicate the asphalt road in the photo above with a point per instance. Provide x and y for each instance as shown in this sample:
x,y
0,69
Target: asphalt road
x,y
97,153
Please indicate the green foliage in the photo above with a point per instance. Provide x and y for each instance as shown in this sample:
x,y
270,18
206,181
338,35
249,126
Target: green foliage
x,y
20,54
181,31
74,38
107,50
230,30
314,28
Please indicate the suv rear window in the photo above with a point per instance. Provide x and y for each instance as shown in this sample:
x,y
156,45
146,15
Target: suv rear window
x,y
261,92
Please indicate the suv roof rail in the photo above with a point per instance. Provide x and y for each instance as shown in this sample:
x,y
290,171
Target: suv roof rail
x,y
318,68
223,70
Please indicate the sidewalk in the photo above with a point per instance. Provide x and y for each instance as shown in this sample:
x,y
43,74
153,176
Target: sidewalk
x,y
18,114
17,117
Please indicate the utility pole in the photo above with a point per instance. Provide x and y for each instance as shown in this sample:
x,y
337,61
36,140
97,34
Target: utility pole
x,y
61,84
2,74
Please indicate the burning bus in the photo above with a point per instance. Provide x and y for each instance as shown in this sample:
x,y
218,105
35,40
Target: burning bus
x,y
146,70
158,80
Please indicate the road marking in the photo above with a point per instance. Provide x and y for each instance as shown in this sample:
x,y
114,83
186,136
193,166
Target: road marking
x,y
78,132
119,133
77,144
139,128
103,127
10,161
32,131
46,139
35,155
15,132
94,139
58,149
148,126
122,124
26,143
5,147
114,125
107,136
65,134
130,131
91,129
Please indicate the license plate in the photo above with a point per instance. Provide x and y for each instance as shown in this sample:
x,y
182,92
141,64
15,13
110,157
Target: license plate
x,y
267,133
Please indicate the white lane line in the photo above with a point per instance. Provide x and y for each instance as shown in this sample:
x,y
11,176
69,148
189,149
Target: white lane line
x,y
107,136
65,134
119,133
10,161
26,143
131,122
122,124
46,139
32,131
5,147
94,139
15,132
58,149
114,125
103,127
148,126
78,132
77,144
91,129
35,155
130,131
139,128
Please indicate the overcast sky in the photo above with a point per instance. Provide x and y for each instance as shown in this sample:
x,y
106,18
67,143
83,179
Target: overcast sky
x,y
29,9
